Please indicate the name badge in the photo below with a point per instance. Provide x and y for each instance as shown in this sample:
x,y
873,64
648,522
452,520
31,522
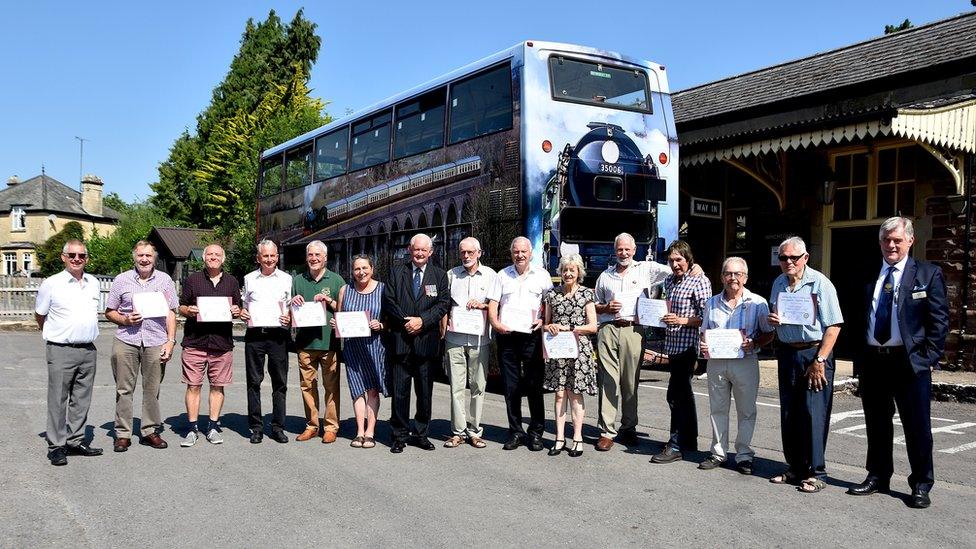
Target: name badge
x,y
431,290
919,295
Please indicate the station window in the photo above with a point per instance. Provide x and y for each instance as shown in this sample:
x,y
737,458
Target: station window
x,y
420,125
298,167
271,176
371,141
896,181
481,104
330,154
851,200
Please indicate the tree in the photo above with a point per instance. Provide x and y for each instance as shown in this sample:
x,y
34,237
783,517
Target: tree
x,y
49,254
905,25
112,254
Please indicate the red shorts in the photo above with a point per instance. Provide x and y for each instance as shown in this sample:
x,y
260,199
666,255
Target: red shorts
x,y
217,364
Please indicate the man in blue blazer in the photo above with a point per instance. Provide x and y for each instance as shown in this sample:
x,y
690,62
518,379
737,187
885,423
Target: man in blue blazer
x,y
908,318
417,296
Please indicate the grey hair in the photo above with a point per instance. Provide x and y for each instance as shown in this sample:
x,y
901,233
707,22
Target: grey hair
x,y
735,259
421,236
624,236
317,243
144,244
73,242
215,245
266,244
572,259
518,238
364,257
477,243
794,242
893,223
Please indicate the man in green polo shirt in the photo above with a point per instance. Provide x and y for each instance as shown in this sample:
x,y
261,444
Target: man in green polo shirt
x,y
315,344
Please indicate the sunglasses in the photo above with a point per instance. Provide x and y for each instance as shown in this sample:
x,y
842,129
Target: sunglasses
x,y
793,258
74,255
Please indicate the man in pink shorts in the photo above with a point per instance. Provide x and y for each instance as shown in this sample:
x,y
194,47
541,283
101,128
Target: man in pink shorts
x,y
208,343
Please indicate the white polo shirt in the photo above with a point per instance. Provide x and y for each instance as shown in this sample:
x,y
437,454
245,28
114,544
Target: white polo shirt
x,y
71,308
639,276
526,291
464,288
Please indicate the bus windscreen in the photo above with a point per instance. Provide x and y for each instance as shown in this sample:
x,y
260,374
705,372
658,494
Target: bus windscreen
x,y
598,84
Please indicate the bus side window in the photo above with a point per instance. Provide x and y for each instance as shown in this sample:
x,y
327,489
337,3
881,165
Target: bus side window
x,y
271,176
482,104
420,125
298,167
331,152
371,141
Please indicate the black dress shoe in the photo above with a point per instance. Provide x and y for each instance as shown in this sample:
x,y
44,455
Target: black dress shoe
x,y
627,438
513,442
423,443
257,437
535,444
557,448
58,456
83,450
397,447
278,436
870,486
918,500
744,467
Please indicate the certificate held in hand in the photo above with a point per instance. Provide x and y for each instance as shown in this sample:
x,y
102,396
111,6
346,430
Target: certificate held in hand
x,y
561,345
724,343
265,314
352,324
650,311
628,303
796,308
213,309
150,304
518,319
467,321
309,314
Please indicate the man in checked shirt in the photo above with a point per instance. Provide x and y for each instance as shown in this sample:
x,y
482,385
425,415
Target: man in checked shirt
x,y
686,294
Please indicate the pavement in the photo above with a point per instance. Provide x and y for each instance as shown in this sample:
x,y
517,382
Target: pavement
x,y
238,494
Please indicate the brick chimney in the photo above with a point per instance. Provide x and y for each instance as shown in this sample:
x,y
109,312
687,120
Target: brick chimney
x,y
91,194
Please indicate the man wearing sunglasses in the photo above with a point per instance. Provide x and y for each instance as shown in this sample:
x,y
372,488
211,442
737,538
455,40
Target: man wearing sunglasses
x,y
66,311
806,365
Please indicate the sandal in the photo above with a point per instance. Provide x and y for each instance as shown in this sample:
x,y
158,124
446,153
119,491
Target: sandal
x,y
811,486
477,442
357,442
368,442
785,478
454,442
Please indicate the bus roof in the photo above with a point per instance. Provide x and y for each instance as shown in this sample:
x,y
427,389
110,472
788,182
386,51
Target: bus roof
x,y
454,75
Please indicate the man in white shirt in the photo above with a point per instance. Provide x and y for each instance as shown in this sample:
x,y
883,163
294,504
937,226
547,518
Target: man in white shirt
x,y
266,288
66,311
515,313
467,353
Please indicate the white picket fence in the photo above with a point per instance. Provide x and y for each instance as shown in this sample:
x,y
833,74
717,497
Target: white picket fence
x,y
18,294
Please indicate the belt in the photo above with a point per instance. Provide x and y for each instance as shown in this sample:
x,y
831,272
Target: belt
x,y
266,331
886,350
804,344
75,345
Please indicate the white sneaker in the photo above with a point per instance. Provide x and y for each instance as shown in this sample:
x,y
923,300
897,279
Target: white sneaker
x,y
213,436
190,439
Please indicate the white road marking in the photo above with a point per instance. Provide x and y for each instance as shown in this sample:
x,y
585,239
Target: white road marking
x,y
957,449
951,429
759,402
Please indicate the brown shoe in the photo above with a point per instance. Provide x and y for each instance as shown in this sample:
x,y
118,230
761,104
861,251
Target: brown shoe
x,y
307,434
153,441
604,444
328,437
121,444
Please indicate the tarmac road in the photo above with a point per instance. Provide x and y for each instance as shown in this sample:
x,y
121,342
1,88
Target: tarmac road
x,y
238,494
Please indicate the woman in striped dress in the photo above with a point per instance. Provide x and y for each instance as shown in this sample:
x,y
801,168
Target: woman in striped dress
x,y
365,357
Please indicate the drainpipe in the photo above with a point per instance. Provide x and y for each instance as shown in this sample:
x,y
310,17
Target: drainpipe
x,y
966,262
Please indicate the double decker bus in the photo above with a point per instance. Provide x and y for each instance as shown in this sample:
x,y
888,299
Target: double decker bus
x,y
567,145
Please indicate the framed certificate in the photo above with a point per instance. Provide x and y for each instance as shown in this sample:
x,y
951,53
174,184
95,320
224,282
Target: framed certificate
x,y
213,309
150,304
518,319
561,345
724,343
796,308
352,324
650,311
309,314
265,314
467,321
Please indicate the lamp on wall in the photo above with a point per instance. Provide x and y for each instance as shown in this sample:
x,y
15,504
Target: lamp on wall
x,y
828,190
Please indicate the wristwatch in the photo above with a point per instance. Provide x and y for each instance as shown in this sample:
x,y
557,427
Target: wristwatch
x,y
821,360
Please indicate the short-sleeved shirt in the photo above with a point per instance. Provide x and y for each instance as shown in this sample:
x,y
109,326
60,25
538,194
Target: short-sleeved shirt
x,y
638,277
828,307
686,298
750,314
151,332
272,288
212,336
71,308
318,338
526,291
464,288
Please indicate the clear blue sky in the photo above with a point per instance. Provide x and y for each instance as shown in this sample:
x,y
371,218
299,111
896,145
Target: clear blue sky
x,y
130,76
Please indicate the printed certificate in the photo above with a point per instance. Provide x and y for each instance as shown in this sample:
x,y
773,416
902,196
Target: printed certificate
x,y
213,309
796,308
650,311
518,319
561,345
352,324
150,304
467,321
311,313
628,303
265,314
724,343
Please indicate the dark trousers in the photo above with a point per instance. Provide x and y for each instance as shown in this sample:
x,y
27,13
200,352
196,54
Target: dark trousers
x,y
887,380
520,359
681,400
404,369
270,344
804,413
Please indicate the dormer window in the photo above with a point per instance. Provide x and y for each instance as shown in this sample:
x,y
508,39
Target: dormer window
x,y
18,218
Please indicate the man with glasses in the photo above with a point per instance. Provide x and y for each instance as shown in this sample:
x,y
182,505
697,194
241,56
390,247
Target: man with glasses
x,y
66,311
142,345
736,308
806,365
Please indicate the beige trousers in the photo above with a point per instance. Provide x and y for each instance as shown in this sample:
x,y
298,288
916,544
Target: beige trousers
x,y
619,351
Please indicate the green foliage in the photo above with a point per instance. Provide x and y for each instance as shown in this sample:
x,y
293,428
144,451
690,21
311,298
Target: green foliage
x,y
905,25
114,201
112,254
49,253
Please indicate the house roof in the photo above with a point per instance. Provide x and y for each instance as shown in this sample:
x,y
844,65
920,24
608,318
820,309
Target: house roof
x,y
44,193
178,242
899,58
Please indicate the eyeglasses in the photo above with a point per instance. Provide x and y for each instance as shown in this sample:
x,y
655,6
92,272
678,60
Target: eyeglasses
x,y
74,255
736,274
793,258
